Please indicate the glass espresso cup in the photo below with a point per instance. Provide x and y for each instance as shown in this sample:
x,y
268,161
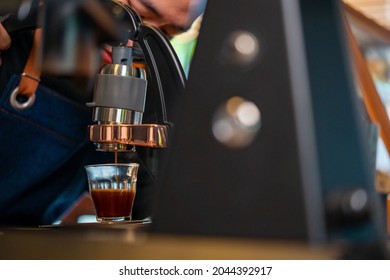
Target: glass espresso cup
x,y
112,188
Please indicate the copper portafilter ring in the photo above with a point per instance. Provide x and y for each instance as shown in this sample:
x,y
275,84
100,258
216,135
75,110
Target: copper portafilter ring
x,y
145,135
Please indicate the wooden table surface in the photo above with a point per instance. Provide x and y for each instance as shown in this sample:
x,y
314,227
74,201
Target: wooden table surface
x,y
134,242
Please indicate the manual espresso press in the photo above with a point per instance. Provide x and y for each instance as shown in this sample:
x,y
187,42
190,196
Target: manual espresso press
x,y
119,105
131,103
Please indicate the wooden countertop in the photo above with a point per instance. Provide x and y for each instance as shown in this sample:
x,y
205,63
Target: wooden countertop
x,y
131,243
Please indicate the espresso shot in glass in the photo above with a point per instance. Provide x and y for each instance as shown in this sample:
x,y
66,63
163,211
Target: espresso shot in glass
x,y
112,188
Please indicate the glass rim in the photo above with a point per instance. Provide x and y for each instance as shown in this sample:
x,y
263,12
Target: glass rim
x,y
113,164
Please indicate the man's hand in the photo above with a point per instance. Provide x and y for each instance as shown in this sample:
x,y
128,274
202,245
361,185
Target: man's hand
x,y
5,40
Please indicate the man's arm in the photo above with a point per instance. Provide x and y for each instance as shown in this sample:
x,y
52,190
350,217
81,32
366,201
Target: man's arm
x,y
5,40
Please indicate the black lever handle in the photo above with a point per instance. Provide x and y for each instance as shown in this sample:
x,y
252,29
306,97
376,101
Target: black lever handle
x,y
166,76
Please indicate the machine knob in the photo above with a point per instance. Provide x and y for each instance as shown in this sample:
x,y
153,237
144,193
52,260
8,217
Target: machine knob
x,y
242,48
347,207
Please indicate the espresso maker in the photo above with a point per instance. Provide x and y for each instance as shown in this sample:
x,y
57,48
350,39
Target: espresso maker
x,y
134,97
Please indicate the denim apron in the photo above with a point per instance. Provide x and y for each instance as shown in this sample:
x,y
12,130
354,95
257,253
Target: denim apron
x,y
43,150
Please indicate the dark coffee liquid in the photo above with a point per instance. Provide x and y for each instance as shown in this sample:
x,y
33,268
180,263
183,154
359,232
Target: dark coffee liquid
x,y
113,203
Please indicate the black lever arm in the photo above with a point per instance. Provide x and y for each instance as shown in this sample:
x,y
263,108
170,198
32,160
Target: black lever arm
x,y
165,73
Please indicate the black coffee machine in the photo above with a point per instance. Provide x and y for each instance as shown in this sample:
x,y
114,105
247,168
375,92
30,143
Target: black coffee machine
x,y
281,147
